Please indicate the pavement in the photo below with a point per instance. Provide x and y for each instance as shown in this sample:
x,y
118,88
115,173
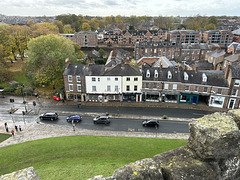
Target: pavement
x,y
34,131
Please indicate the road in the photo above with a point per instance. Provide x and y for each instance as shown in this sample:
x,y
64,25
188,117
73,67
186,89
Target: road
x,y
122,118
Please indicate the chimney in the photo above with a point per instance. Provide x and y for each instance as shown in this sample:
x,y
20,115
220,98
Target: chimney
x,y
227,69
195,68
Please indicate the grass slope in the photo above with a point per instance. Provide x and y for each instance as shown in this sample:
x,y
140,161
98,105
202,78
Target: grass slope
x,y
80,157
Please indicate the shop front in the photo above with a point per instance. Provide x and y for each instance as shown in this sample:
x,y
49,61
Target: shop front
x,y
129,97
74,96
170,97
151,96
216,101
185,98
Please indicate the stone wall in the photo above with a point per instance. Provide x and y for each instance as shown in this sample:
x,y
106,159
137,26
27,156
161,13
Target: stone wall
x,y
24,174
212,153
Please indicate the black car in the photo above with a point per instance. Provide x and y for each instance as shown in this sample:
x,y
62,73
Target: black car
x,y
151,123
49,116
101,120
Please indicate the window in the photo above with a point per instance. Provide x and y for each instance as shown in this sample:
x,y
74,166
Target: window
x,y
155,74
108,88
166,86
69,78
186,88
174,86
155,50
94,89
116,79
169,75
196,88
234,92
116,88
237,82
135,79
148,74
145,50
108,79
98,79
79,87
185,76
78,78
93,79
70,87
204,77
135,88
147,85
219,91
205,89
128,88
154,85
128,78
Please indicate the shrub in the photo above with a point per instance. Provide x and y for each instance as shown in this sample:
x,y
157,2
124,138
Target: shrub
x,y
164,116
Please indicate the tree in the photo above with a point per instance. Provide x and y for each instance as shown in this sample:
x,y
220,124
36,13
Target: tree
x,y
86,27
102,53
210,26
46,62
67,29
59,24
119,19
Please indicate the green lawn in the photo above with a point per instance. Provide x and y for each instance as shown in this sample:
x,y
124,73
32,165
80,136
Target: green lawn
x,y
80,157
3,137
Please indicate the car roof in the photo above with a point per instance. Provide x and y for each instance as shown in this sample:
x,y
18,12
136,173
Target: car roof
x,y
103,116
153,120
50,113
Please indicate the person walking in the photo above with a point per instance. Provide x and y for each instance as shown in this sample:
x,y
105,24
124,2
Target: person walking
x,y
74,126
12,131
6,127
16,128
20,128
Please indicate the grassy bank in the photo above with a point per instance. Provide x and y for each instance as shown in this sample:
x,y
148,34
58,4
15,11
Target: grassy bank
x,y
80,157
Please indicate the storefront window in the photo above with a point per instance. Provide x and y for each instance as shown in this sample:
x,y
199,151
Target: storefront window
x,y
70,96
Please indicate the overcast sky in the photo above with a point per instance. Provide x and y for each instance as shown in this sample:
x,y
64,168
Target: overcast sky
x,y
120,7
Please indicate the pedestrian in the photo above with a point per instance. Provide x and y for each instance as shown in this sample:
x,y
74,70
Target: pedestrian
x,y
74,126
6,127
20,128
12,131
16,128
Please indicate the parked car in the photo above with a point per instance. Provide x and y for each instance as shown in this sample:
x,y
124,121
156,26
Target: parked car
x,y
74,117
49,116
151,123
101,120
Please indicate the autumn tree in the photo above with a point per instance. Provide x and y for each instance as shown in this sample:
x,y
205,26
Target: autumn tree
x,y
46,62
59,24
67,29
86,27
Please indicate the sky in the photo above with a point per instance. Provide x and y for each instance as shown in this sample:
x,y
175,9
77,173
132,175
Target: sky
x,y
120,7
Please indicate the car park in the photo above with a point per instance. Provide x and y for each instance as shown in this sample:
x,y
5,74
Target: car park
x,y
49,116
150,123
74,117
101,120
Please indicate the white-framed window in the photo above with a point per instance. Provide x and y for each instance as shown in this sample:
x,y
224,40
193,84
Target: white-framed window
x,y
70,87
155,74
128,78
155,50
108,88
219,91
234,92
237,82
116,89
166,86
205,89
174,86
135,78
69,78
185,76
116,79
108,79
79,87
196,88
135,88
93,79
204,77
145,50
148,73
127,88
147,85
186,88
155,85
94,88
78,78
169,75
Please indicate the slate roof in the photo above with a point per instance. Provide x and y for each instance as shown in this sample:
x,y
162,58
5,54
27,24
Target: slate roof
x,y
214,77
235,45
126,70
237,32
84,70
235,70
216,54
155,44
204,65
232,58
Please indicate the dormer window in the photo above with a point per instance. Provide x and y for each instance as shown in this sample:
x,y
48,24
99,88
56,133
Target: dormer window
x,y
155,74
185,76
148,74
204,77
169,75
